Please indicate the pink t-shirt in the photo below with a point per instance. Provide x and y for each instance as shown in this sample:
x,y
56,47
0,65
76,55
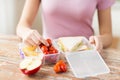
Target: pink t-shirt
x,y
70,17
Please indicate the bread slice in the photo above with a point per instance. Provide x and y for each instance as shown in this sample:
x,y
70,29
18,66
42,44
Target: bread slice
x,y
69,43
82,47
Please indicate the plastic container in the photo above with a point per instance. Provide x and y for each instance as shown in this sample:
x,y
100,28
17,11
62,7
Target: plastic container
x,y
85,63
47,58
84,42
51,58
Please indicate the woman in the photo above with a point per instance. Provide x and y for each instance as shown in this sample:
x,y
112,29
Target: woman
x,y
67,18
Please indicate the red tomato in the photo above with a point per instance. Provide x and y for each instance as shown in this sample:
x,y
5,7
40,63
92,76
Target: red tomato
x,y
49,41
48,49
55,51
50,52
46,52
57,68
61,66
51,48
60,62
44,48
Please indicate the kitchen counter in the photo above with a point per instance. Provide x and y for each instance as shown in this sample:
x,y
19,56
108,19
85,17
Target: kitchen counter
x,y
10,59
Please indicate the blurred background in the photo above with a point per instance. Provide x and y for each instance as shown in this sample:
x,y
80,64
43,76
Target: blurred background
x,y
10,12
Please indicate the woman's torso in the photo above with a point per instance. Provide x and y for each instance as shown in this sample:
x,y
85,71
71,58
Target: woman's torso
x,y
67,17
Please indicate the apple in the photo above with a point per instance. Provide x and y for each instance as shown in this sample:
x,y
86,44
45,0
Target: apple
x,y
30,51
31,48
30,65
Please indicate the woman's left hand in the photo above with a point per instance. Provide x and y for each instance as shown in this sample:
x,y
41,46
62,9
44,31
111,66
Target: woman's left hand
x,y
96,40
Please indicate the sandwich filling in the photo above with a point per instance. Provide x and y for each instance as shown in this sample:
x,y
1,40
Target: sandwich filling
x,y
69,43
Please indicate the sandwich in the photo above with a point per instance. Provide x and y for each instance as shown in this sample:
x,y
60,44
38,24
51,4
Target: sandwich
x,y
70,44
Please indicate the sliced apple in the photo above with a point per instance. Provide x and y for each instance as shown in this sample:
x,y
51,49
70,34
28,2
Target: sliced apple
x,y
30,48
30,53
30,65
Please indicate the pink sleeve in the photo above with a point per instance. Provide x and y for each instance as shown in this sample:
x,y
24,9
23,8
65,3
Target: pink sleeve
x,y
103,4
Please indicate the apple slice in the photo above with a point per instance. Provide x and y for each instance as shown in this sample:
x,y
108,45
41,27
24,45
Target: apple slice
x,y
30,65
30,51
30,48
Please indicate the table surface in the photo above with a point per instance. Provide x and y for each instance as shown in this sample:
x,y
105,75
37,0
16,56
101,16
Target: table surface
x,y
10,59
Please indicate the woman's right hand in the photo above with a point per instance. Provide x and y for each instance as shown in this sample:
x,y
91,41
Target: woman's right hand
x,y
24,31
32,37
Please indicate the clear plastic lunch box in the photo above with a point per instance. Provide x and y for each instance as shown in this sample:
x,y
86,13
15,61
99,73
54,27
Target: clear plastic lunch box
x,y
85,63
47,58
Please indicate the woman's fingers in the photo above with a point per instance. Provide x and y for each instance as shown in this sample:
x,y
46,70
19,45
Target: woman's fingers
x,y
34,38
91,40
97,42
40,38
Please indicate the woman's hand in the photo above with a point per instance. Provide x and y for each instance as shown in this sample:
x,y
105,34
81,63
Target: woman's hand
x,y
32,37
24,31
96,40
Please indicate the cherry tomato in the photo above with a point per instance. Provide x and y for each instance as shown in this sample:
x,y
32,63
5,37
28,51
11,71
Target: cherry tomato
x,y
55,51
48,49
61,66
44,48
57,68
49,41
60,62
46,52
51,48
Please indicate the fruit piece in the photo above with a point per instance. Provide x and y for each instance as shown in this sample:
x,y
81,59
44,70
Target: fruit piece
x,y
55,51
60,66
30,48
57,68
49,41
27,52
30,51
63,67
51,48
48,49
44,48
30,65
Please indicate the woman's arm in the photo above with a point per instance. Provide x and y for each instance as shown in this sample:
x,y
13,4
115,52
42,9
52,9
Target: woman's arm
x,y
29,36
29,12
105,27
